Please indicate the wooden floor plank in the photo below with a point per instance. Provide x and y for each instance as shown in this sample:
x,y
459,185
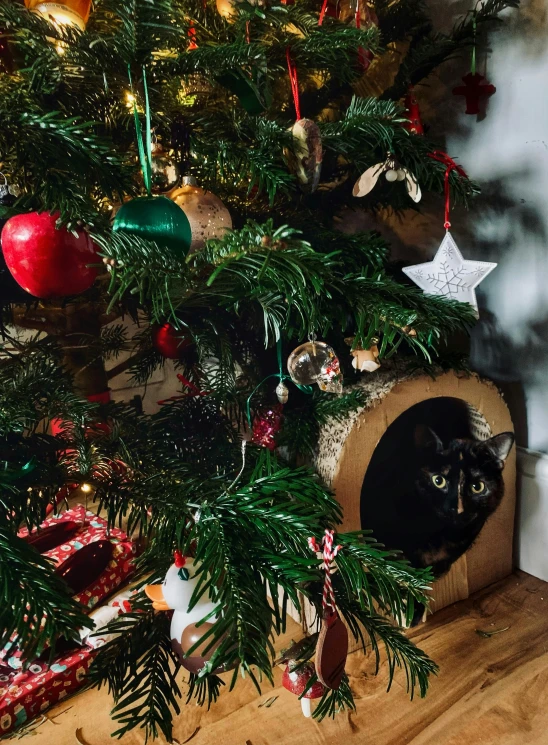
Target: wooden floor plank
x,y
490,691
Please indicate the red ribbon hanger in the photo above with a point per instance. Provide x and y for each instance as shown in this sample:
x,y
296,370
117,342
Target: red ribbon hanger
x,y
193,391
328,552
450,164
292,70
322,12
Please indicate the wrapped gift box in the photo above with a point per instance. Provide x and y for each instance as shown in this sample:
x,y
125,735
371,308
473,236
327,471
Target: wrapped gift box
x,y
24,695
93,528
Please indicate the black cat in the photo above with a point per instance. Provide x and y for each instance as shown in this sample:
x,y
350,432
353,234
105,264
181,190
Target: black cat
x,y
436,513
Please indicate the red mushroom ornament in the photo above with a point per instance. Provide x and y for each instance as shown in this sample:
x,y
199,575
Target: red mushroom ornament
x,y
295,679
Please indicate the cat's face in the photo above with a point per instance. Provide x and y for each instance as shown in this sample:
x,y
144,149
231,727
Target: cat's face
x,y
464,477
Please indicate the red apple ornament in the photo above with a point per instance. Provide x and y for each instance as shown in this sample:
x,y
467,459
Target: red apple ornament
x,y
47,262
169,341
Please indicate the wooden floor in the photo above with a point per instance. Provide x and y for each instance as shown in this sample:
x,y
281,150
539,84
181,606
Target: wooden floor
x,y
490,691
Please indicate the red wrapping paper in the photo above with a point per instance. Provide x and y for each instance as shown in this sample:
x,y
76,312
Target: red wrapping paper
x,y
24,695
119,568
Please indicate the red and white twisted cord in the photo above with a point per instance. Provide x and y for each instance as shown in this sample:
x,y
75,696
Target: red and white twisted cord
x,y
328,553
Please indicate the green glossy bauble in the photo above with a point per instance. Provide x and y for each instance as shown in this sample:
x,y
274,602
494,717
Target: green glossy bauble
x,y
156,219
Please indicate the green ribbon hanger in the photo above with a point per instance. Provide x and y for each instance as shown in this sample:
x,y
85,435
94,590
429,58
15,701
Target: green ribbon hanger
x,y
280,375
154,218
474,27
145,157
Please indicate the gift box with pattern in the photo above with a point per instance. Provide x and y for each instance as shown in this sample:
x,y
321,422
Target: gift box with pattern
x,y
26,694
93,528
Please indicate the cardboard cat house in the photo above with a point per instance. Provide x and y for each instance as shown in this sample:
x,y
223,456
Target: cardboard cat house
x,y
348,449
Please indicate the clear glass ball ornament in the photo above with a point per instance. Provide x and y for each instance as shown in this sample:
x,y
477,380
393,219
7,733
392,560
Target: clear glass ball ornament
x,y
207,215
316,362
163,171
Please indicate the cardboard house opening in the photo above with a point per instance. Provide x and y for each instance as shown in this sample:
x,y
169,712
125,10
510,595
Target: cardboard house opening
x,y
393,464
358,450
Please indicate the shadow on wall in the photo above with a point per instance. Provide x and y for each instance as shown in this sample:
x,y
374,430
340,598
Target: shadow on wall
x,y
506,152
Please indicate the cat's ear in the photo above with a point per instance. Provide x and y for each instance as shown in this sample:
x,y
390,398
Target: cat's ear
x,y
426,440
500,445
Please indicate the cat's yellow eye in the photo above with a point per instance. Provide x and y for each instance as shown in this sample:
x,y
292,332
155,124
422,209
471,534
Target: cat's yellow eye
x,y
477,487
439,481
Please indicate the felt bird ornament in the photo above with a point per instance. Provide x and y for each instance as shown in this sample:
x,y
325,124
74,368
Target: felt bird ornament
x,y
393,171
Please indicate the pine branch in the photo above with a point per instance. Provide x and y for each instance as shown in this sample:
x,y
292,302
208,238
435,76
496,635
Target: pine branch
x,y
40,608
140,670
400,651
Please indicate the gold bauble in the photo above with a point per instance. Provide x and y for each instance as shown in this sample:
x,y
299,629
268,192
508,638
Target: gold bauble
x,y
225,8
63,12
207,215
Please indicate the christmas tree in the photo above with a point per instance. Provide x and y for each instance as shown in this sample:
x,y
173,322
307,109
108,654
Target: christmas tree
x,y
256,118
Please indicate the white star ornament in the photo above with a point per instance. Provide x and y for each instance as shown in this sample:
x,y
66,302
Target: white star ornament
x,y
449,274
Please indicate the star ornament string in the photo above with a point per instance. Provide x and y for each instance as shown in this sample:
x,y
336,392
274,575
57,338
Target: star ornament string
x,y
450,164
449,274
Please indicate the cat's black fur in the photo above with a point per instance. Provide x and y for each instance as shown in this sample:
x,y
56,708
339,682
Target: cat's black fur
x,y
435,516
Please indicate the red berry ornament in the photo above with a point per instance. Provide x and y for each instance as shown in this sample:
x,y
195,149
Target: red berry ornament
x,y
47,262
266,426
169,341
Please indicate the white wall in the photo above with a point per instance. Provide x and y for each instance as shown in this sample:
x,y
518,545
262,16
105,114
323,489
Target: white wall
x,y
532,536
160,386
